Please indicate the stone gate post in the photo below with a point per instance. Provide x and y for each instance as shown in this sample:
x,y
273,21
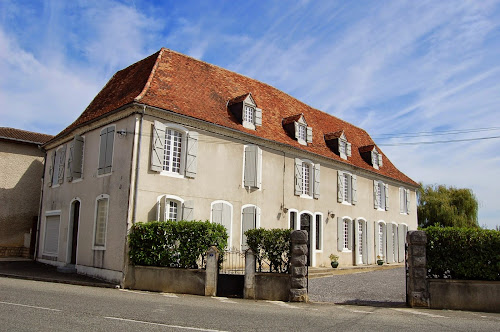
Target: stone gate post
x,y
298,269
249,288
211,271
417,292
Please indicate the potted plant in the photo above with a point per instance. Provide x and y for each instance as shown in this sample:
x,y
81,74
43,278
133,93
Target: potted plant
x,y
380,260
334,260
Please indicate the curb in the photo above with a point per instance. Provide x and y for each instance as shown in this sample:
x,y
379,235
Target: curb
x,y
60,281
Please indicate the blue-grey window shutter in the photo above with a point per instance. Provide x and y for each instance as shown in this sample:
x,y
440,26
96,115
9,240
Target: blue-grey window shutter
x,y
376,203
77,158
62,162
158,147
298,176
191,154
69,168
109,149
309,134
258,116
258,164
386,192
217,213
251,165
102,151
401,200
354,189
187,210
340,234
248,222
316,180
340,186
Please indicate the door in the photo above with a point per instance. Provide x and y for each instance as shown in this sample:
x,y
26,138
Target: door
x,y
75,216
305,225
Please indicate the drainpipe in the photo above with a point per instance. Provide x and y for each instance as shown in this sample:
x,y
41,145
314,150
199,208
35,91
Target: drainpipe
x,y
138,166
37,236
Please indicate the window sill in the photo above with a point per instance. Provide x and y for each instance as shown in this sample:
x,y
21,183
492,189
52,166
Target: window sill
x,y
404,213
380,209
77,180
302,142
248,125
346,250
98,248
306,196
49,254
346,203
104,175
172,174
55,185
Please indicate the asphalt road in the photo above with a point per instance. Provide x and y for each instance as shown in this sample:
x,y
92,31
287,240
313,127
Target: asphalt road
x,y
41,306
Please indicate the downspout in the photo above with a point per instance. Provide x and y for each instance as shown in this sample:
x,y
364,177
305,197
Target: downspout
x,y
138,166
37,238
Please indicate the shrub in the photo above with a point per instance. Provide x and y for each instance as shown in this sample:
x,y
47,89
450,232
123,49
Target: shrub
x,y
272,245
463,253
174,243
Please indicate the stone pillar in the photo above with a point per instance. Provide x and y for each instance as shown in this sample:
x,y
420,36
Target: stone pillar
x,y
417,292
249,288
298,269
212,271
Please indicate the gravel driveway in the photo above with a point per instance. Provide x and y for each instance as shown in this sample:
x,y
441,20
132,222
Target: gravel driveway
x,y
384,287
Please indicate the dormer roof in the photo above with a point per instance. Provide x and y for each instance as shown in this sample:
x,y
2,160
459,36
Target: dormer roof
x,y
334,135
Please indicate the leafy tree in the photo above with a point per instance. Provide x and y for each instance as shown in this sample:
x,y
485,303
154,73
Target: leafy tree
x,y
446,206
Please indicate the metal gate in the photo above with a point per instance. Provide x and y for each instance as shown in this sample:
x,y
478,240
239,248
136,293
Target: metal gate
x,y
231,275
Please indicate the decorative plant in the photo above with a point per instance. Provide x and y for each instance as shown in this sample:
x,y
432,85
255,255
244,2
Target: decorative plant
x,y
380,259
334,258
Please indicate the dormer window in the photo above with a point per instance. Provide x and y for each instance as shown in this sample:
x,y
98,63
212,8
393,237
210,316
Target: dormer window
x,y
370,154
246,111
376,159
296,127
337,141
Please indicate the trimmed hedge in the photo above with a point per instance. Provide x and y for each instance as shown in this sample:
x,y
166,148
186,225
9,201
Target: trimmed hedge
x,y
272,245
174,243
463,253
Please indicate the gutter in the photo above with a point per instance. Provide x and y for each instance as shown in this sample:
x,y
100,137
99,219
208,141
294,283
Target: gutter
x,y
138,166
37,239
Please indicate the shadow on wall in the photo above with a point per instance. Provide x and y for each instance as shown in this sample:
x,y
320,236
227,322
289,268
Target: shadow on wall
x,y
18,205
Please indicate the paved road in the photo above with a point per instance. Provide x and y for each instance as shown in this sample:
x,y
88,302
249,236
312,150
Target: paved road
x,y
385,287
40,306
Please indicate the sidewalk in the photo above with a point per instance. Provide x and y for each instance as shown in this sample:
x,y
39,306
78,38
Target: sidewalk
x,y
320,272
22,268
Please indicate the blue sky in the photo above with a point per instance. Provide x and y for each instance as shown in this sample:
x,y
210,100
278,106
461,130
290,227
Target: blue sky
x,y
390,67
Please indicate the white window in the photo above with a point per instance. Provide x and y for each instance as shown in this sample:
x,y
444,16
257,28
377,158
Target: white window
x,y
319,232
56,170
342,147
174,150
170,207
222,213
307,178
376,159
303,133
250,219
106,150
346,188
249,114
404,201
380,240
252,172
101,221
75,158
380,195
344,234
51,239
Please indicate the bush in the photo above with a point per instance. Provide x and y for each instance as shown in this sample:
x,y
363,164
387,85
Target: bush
x,y
272,245
174,243
463,253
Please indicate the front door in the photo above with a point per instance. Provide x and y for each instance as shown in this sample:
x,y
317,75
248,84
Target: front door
x,y
74,234
305,225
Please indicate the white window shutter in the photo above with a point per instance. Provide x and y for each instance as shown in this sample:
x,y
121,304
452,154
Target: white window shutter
x,y
350,235
401,200
51,167
248,222
298,176
251,164
340,234
367,244
217,213
316,180
375,238
258,164
354,182
258,116
407,191
380,163
296,124
109,149
102,151
69,168
187,211
191,155
164,204
376,203
309,134
386,192
396,242
227,221
348,149
158,147
401,242
340,186
62,162
389,243
158,209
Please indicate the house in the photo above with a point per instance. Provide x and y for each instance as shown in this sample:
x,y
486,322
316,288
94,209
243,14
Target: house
x,y
21,164
171,137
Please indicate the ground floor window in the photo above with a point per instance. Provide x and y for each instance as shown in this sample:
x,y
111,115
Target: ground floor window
x,y
51,240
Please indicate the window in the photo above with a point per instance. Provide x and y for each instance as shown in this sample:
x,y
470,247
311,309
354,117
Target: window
x,y
250,219
338,143
75,159
307,178
222,213
293,220
169,207
51,239
404,201
252,173
402,230
249,114
56,170
101,220
319,232
106,150
376,159
303,133
380,240
391,242
380,195
174,150
360,242
344,234
346,188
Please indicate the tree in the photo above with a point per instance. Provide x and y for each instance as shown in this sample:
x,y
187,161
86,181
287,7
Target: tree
x,y
446,206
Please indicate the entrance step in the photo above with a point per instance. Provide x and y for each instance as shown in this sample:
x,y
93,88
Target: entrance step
x,y
319,272
70,268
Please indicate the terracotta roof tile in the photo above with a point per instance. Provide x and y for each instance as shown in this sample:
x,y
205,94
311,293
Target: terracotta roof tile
x,y
23,135
291,119
181,84
366,148
334,135
238,99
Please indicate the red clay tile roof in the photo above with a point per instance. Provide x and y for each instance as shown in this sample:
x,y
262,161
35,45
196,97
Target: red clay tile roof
x,y
366,148
291,119
184,85
23,135
337,134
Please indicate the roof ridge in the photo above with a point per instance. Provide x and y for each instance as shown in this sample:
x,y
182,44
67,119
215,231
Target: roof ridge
x,y
151,75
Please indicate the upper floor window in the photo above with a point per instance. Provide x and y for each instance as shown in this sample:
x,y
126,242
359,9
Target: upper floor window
x,y
370,154
75,158
404,200
301,132
376,159
337,141
252,174
307,178
346,188
106,150
56,169
249,114
380,195
174,150
246,111
296,127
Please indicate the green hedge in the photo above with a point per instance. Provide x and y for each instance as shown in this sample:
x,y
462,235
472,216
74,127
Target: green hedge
x,y
463,253
272,245
174,243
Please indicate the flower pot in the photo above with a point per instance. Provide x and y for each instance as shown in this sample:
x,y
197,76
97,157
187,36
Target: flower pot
x,y
335,264
380,262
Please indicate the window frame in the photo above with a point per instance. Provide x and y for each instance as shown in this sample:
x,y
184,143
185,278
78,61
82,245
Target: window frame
x,y
94,245
296,223
161,205
51,213
183,141
308,180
